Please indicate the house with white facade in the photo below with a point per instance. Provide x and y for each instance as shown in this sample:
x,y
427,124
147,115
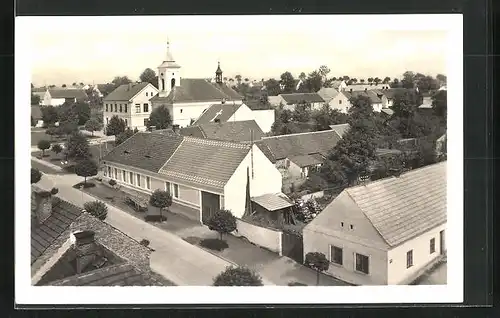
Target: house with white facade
x,y
58,96
187,98
366,86
386,232
130,102
375,99
203,175
335,99
290,101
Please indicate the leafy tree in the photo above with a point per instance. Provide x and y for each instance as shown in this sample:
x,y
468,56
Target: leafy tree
x,y
160,118
377,80
395,83
302,76
43,145
238,276
86,168
35,99
52,131
439,104
115,126
49,115
314,81
223,221
362,80
120,80
36,175
388,165
370,80
302,112
238,79
93,125
408,80
386,80
123,136
272,87
63,85
97,209
57,149
326,116
77,147
148,76
426,83
345,78
323,72
318,262
160,199
82,110
441,79
288,82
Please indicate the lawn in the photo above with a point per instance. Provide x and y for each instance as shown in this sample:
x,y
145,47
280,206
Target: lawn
x,y
36,136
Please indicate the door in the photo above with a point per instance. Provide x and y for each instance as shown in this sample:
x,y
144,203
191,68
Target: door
x,y
442,247
209,205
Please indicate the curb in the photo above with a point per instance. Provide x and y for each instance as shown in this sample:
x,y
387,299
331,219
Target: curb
x,y
47,164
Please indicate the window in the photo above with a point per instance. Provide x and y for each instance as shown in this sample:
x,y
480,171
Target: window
x,y
167,187
124,176
336,255
138,180
146,120
116,108
176,190
148,182
146,107
109,172
105,171
126,122
432,247
352,227
131,180
137,108
409,259
340,102
126,108
146,94
106,107
181,110
116,173
121,109
107,120
342,224
362,263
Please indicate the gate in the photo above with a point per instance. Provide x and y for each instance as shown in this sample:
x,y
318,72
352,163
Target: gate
x,y
292,245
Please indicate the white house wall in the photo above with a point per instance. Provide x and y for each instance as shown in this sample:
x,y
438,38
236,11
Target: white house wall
x,y
397,271
264,118
243,113
340,102
266,179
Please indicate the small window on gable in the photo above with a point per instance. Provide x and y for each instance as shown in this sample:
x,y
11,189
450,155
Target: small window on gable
x,y
181,110
342,224
146,94
352,227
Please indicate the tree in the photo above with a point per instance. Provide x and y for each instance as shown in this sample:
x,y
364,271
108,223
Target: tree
x,y
272,87
302,112
427,83
318,262
388,165
288,82
408,80
439,104
148,76
77,147
115,126
49,115
97,209
238,79
63,85
160,118
323,72
82,111
370,80
377,80
441,79
223,222
120,80
35,99
326,116
86,168
386,80
43,145
314,81
238,276
57,149
36,175
93,125
123,136
160,199
302,77
362,80
395,83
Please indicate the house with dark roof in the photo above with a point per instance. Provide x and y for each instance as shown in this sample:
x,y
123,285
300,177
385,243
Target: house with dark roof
x,y
203,175
238,131
375,98
58,96
340,129
386,232
289,101
130,102
366,86
295,155
36,114
69,247
187,98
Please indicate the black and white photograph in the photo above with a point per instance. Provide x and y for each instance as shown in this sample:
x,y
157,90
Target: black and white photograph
x,y
304,158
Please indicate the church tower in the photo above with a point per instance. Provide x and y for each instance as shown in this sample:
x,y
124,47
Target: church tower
x,y
168,74
218,74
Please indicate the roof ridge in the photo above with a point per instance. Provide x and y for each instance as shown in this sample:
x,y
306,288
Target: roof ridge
x,y
213,142
173,153
297,134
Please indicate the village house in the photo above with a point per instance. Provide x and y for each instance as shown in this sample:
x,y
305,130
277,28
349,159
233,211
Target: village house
x,y
69,247
385,232
290,101
130,102
335,99
36,114
375,100
339,85
237,131
340,129
366,86
203,175
187,98
58,96
296,155
40,92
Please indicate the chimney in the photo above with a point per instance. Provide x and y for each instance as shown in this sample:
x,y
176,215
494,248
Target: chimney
x,y
350,90
129,86
175,128
86,249
41,205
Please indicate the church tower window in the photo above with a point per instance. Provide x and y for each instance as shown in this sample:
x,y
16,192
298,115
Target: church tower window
x,y
162,84
172,83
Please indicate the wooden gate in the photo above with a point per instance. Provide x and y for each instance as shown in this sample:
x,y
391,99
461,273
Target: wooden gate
x,y
292,245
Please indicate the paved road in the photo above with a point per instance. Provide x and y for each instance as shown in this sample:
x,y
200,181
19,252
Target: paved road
x,y
175,259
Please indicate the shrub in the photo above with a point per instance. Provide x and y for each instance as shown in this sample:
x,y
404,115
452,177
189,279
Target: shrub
x,y
85,185
43,145
214,244
144,242
54,191
97,209
160,199
223,221
112,182
318,262
86,168
36,175
237,276
56,148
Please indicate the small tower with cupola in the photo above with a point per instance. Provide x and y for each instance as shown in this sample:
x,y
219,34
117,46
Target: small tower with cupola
x,y
168,74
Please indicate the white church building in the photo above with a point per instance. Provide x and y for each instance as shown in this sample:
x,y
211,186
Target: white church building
x,y
187,98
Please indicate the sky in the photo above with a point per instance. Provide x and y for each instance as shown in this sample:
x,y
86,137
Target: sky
x,y
95,49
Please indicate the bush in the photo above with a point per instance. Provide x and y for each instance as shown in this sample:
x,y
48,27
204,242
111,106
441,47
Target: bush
x,y
112,182
84,184
223,221
36,175
237,276
144,242
318,262
214,244
86,168
56,148
43,145
97,209
54,191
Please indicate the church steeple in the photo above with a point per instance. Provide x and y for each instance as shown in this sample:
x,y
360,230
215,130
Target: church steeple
x,y
170,57
218,74
168,74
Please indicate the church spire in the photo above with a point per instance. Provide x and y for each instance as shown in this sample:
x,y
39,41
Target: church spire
x,y
170,57
218,74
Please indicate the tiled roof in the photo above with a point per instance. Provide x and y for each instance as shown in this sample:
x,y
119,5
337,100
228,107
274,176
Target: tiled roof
x,y
221,112
125,92
307,160
257,105
302,97
340,129
39,90
198,90
67,93
148,151
36,112
371,95
328,93
204,162
287,146
42,236
362,87
336,84
404,207
115,275
273,202
239,131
